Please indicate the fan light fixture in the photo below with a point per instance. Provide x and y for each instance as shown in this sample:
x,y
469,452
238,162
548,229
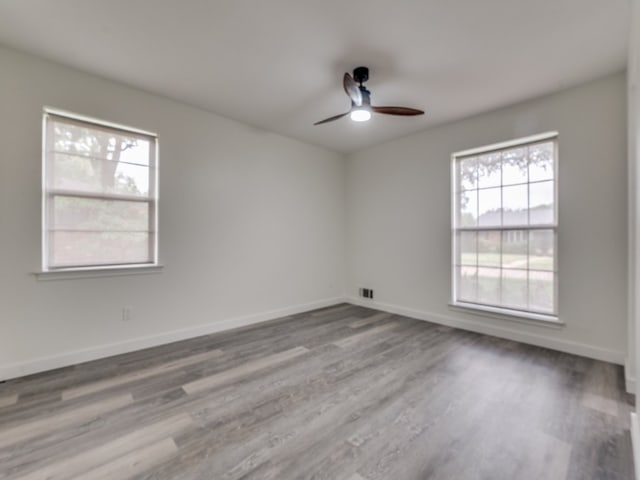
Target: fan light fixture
x,y
360,115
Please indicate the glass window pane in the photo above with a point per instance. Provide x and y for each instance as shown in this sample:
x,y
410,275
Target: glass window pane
x,y
489,204
467,248
98,248
514,205
541,291
88,214
489,170
541,250
514,289
468,209
514,249
99,142
136,152
489,244
541,162
514,166
489,286
468,173
541,206
72,172
467,284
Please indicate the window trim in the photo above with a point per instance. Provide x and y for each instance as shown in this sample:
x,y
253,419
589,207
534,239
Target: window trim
x,y
88,271
492,310
520,316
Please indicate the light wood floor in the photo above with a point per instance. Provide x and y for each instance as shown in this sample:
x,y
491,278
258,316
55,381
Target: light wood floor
x,y
344,393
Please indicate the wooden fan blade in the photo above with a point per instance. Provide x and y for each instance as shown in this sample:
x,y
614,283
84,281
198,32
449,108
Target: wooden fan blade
x,y
404,111
351,87
331,119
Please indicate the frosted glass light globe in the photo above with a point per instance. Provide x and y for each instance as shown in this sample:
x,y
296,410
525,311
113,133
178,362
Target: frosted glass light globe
x,y
360,115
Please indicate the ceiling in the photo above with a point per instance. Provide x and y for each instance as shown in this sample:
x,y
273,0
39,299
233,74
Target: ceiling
x,y
278,64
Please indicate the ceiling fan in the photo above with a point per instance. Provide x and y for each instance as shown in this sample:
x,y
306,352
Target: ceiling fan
x,y
361,107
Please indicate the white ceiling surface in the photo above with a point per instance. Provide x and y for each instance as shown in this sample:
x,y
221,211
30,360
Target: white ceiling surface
x,y
278,64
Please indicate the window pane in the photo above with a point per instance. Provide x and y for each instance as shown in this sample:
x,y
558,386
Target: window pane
x,y
515,202
514,289
489,170
136,152
467,284
72,172
98,248
489,248
541,291
489,204
514,166
468,209
541,162
541,210
514,248
99,142
541,247
468,173
467,248
88,214
489,286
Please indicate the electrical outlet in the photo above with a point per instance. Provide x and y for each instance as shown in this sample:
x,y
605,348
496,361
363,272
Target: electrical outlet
x,y
127,313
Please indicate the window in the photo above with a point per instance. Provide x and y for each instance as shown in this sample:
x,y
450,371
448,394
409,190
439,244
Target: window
x,y
99,194
505,228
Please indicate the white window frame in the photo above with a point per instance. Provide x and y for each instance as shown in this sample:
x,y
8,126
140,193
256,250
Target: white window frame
x,y
81,271
492,310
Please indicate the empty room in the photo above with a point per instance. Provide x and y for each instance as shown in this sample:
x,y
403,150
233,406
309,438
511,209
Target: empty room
x,y
245,239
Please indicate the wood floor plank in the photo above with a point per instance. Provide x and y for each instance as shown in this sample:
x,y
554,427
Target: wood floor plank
x,y
84,413
363,336
242,370
329,310
133,463
7,400
601,404
363,322
138,375
81,462
356,476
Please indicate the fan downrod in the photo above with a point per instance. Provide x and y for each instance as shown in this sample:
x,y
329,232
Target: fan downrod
x,y
361,75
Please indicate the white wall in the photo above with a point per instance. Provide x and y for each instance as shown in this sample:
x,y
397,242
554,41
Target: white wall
x,y
251,225
632,366
398,205
633,140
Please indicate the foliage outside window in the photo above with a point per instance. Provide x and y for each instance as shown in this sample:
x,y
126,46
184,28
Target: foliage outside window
x,y
100,191
505,227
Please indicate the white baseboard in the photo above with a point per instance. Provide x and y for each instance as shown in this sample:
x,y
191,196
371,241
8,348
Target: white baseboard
x,y
567,346
66,359
635,442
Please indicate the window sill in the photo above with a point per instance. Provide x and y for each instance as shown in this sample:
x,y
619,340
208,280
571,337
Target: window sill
x,y
538,319
98,272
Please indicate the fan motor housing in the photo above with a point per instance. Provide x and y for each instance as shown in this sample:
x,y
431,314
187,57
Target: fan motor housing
x,y
361,74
